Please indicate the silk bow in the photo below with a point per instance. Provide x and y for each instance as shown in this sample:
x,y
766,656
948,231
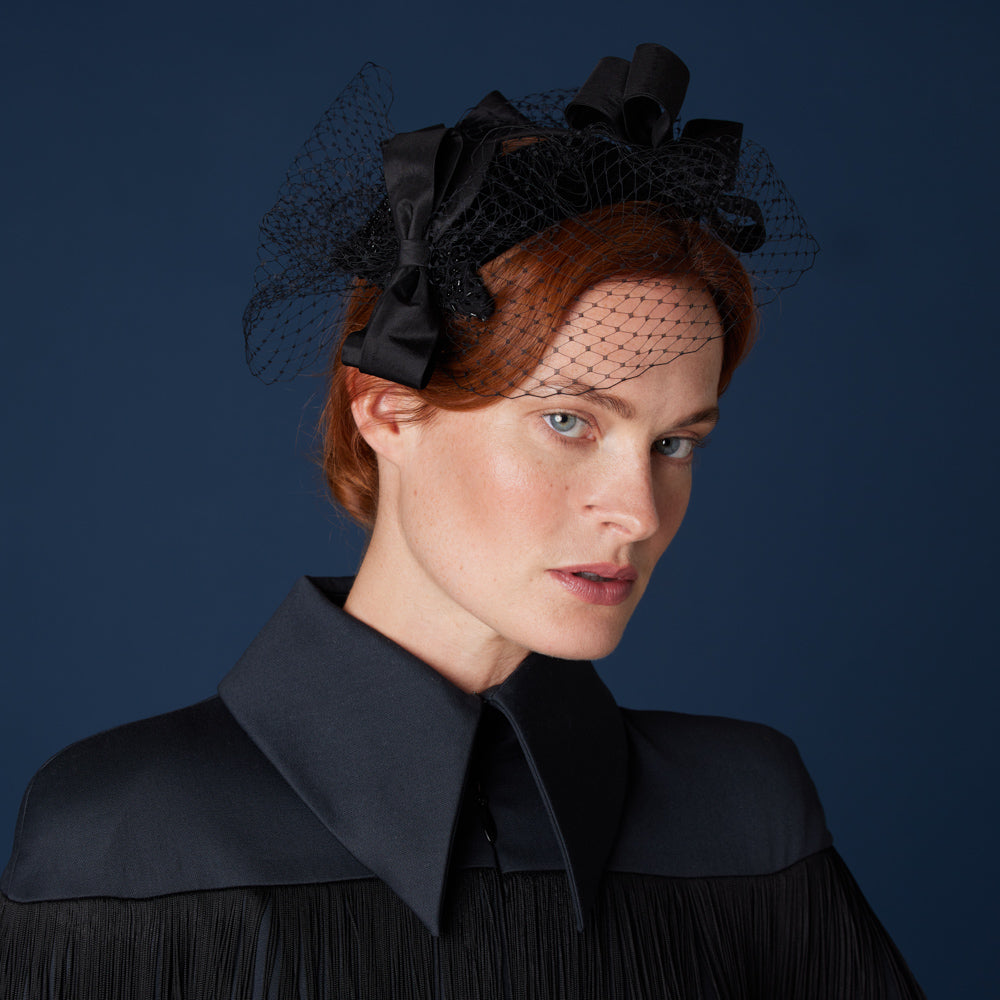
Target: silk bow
x,y
423,169
638,103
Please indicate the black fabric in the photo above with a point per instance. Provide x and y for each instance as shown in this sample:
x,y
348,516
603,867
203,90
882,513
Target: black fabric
x,y
324,823
804,933
553,705
377,748
334,753
422,170
637,101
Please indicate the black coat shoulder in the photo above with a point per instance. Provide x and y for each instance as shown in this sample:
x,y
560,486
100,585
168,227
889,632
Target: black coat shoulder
x,y
176,802
715,796
186,801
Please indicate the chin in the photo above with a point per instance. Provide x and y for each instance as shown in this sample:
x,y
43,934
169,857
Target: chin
x,y
580,647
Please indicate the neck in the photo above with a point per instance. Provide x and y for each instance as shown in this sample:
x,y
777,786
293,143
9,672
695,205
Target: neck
x,y
392,595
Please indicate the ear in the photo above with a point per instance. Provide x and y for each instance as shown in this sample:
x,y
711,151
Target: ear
x,y
380,412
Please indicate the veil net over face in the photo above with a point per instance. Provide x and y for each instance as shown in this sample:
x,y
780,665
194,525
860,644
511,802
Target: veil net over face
x,y
457,253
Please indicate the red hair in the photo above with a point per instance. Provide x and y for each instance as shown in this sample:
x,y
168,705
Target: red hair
x,y
552,269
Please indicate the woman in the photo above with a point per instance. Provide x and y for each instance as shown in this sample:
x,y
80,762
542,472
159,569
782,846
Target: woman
x,y
413,783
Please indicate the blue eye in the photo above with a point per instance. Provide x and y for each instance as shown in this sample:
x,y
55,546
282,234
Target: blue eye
x,y
674,447
566,424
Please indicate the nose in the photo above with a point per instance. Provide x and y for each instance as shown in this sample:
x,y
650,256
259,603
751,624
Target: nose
x,y
622,495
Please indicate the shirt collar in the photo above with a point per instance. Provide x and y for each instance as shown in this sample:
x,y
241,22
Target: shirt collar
x,y
377,743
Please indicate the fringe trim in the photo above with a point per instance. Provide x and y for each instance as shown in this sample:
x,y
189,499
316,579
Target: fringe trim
x,y
806,932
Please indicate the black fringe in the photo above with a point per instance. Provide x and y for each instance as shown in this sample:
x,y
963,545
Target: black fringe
x,y
804,933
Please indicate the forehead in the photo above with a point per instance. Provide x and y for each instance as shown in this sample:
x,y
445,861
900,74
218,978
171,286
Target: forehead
x,y
619,327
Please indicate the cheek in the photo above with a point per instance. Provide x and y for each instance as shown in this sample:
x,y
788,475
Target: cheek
x,y
523,491
475,493
672,503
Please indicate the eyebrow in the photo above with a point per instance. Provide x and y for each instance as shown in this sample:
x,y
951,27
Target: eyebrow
x,y
622,407
710,415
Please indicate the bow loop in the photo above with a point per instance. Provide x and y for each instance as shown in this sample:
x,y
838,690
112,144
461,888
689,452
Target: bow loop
x,y
493,110
598,103
723,138
638,101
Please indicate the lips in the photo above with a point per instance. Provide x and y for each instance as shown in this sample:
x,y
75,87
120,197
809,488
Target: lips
x,y
597,583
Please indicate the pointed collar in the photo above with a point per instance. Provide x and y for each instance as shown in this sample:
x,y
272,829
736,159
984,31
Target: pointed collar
x,y
377,743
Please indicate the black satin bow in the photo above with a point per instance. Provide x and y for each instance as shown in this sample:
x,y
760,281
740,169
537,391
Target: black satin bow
x,y
737,221
423,170
636,101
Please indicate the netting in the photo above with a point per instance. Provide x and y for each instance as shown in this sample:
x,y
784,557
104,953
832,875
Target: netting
x,y
528,249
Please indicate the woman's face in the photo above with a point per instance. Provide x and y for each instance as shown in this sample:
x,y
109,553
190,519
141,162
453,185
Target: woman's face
x,y
535,523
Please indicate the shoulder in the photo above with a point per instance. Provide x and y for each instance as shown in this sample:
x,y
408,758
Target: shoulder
x,y
176,802
138,768
716,796
723,748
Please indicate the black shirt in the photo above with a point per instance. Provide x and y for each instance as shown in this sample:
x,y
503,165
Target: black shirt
x,y
343,821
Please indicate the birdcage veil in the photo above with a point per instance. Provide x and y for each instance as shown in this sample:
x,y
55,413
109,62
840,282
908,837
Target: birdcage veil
x,y
455,252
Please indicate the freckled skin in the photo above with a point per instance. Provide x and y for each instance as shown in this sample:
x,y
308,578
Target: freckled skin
x,y
477,507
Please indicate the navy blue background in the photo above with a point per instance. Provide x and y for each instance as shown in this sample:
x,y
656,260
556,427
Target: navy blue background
x,y
835,571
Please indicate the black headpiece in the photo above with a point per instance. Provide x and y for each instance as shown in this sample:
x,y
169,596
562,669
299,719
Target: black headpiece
x,y
414,217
